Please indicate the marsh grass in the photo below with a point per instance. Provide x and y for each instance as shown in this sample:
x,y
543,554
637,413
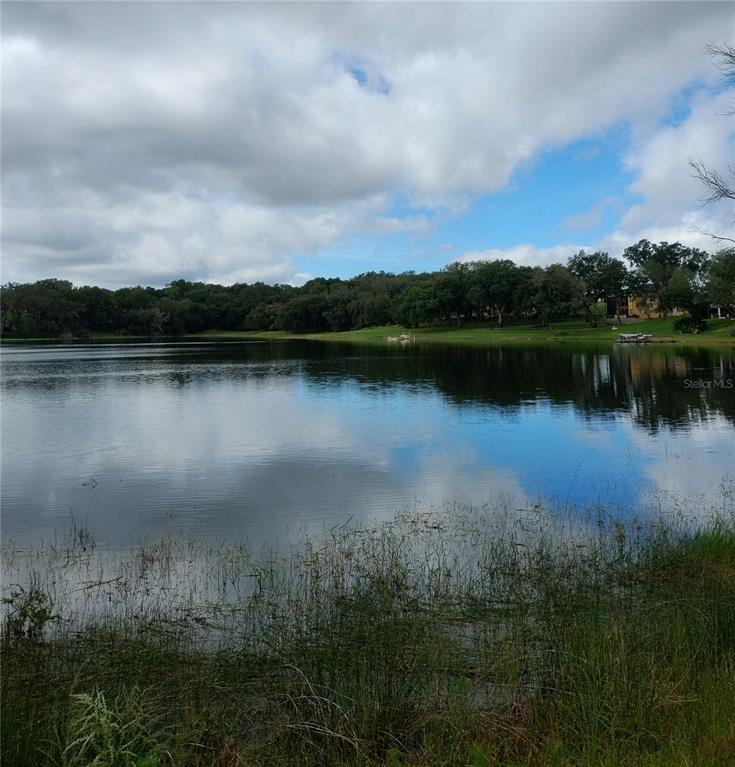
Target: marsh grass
x,y
520,639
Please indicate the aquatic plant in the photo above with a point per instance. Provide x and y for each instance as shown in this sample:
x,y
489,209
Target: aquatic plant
x,y
434,639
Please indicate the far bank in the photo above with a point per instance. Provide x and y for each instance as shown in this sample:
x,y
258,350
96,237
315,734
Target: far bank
x,y
719,333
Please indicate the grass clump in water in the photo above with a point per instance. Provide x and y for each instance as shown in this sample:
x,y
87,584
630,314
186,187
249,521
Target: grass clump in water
x,y
525,640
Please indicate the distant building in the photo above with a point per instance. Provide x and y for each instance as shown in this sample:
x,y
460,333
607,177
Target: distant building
x,y
647,306
615,306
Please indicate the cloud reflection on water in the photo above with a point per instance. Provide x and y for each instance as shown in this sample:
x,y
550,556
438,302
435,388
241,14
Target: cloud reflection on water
x,y
266,442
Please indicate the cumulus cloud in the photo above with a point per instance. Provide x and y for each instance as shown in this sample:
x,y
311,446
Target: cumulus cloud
x,y
525,254
143,142
669,198
671,204
592,218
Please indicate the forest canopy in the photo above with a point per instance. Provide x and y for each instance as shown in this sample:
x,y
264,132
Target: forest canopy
x,y
497,292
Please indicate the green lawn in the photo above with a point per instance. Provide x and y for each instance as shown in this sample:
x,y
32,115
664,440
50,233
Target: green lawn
x,y
719,333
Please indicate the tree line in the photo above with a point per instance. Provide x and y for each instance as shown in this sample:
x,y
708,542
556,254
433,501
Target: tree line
x,y
590,284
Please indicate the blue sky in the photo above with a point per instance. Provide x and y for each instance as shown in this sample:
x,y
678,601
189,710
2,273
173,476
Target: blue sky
x,y
276,142
564,197
539,206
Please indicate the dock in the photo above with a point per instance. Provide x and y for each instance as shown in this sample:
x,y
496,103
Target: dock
x,y
634,338
402,339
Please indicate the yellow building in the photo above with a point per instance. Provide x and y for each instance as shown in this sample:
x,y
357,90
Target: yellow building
x,y
647,306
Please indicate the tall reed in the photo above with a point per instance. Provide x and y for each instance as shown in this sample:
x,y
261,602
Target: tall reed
x,y
466,639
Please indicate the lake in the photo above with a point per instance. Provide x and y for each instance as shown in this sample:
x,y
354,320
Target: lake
x,y
267,440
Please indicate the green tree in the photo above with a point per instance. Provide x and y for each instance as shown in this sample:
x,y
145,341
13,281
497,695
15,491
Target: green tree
x,y
556,293
452,291
97,309
721,279
418,306
680,292
494,286
654,266
602,277
44,308
587,268
261,317
303,313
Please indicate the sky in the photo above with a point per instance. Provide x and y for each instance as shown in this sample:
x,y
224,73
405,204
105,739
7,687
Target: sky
x,y
238,141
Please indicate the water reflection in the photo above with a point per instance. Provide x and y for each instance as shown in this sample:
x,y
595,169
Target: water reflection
x,y
647,383
258,440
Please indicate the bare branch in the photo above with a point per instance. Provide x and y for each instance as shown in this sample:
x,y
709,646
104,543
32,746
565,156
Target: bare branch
x,y
717,186
715,237
725,55
713,181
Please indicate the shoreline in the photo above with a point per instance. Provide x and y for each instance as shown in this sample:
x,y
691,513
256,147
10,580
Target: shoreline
x,y
561,333
423,641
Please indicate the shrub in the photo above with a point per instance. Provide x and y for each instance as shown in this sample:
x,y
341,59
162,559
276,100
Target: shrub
x,y
113,733
29,612
689,324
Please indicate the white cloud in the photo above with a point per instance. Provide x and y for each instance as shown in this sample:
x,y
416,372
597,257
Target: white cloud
x,y
143,142
681,468
592,218
670,206
525,254
671,197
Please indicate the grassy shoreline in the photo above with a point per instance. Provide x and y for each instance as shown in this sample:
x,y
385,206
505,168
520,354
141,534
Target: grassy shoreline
x,y
573,331
478,336
528,641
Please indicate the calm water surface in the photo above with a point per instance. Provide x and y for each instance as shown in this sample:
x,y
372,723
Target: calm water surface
x,y
265,440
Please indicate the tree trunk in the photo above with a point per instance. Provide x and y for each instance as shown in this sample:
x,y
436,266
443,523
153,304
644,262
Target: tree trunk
x,y
589,318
